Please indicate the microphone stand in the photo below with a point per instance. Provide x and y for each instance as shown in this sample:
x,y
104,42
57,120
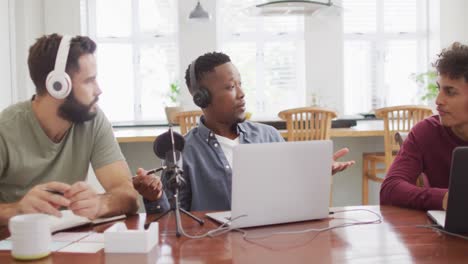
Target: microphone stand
x,y
176,182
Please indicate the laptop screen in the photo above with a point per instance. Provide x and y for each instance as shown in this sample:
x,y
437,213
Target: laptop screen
x,y
456,219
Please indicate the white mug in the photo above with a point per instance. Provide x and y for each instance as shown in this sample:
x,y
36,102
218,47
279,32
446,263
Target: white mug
x,y
30,236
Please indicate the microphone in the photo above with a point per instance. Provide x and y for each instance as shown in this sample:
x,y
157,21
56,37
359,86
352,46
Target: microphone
x,y
168,146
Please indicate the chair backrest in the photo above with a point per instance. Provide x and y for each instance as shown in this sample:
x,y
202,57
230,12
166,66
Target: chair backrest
x,y
308,123
399,119
188,120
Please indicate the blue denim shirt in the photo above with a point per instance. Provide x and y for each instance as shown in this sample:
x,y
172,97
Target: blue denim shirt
x,y
207,172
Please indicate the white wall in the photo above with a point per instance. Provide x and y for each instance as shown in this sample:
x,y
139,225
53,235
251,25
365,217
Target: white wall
x,y
453,22
29,25
5,54
324,60
433,20
62,17
195,39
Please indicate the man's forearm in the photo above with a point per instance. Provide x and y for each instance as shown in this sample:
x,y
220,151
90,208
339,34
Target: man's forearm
x,y
118,201
7,211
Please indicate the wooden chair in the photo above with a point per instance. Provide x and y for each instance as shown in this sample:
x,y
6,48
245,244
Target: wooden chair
x,y
308,123
396,119
188,120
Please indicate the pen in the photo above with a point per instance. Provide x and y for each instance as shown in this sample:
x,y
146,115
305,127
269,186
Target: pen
x,y
152,171
54,192
155,170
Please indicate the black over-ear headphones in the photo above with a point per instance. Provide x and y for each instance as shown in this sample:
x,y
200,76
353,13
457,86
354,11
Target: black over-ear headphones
x,y
201,95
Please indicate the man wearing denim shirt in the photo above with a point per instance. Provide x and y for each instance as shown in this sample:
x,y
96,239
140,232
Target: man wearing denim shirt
x,y
207,156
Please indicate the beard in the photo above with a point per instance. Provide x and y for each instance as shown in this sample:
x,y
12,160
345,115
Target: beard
x,y
237,121
75,111
240,120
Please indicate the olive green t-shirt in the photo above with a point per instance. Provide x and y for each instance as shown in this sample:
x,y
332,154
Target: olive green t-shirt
x,y
28,157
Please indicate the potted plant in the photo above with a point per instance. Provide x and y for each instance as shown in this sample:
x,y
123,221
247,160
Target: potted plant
x,y
428,81
173,105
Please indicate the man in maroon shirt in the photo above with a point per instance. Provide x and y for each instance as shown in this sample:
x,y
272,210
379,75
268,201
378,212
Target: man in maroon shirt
x,y
428,148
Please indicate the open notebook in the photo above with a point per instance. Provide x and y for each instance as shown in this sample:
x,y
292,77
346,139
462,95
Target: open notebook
x,y
69,220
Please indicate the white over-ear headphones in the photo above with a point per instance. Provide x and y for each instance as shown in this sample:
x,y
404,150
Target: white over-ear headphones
x,y
58,83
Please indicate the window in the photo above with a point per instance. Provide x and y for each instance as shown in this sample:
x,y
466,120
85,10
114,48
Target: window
x,y
384,43
137,56
269,54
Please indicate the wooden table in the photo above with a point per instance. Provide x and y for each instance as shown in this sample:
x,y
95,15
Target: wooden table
x,y
396,240
365,128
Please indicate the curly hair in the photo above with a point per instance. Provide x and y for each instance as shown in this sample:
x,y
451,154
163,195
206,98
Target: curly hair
x,y
204,64
42,55
453,61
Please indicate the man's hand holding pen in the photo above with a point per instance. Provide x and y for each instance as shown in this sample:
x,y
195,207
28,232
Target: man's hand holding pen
x,y
148,185
48,198
85,201
40,199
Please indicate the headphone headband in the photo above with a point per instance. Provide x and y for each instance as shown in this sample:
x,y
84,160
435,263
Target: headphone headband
x,y
62,54
193,77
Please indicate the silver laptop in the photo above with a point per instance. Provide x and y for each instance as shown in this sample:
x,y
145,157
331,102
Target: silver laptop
x,y
275,183
455,220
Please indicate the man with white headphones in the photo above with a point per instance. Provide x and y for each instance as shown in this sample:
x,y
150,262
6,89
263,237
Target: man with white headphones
x,y
48,142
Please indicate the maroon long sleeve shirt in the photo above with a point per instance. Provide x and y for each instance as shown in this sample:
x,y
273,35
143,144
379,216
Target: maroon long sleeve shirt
x,y
428,149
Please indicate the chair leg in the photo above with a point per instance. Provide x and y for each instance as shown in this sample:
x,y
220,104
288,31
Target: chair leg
x,y
331,193
373,172
365,181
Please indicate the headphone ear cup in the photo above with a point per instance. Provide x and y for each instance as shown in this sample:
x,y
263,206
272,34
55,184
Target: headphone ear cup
x,y
202,98
58,84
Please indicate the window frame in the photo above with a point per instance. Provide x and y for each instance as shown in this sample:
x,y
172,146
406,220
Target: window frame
x,y
137,40
260,37
379,39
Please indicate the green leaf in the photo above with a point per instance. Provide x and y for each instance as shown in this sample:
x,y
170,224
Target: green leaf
x,y
428,81
174,92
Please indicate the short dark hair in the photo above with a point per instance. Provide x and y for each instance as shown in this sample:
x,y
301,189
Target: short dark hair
x,y
205,63
42,55
453,61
